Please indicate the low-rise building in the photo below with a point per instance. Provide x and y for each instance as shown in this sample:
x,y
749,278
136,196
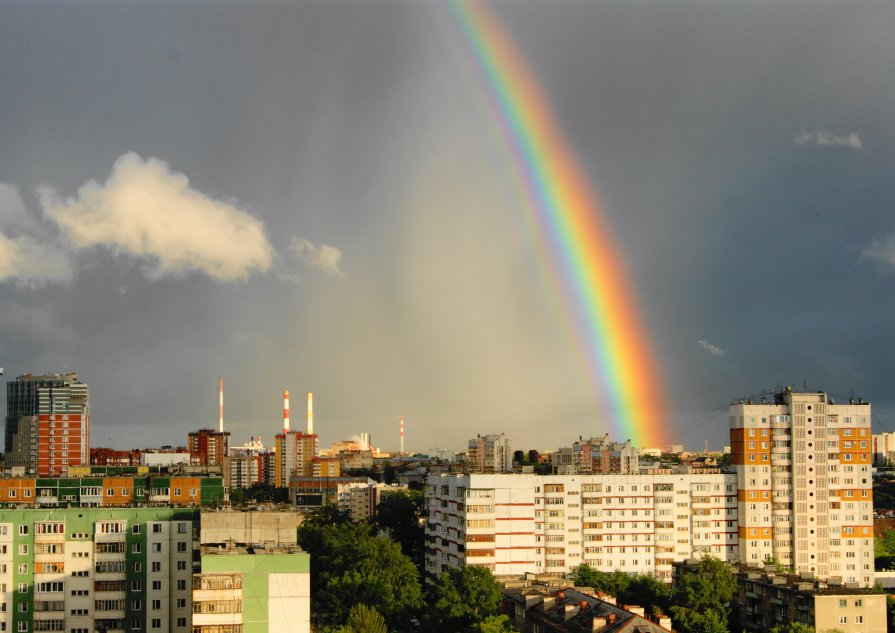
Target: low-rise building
x,y
536,608
767,598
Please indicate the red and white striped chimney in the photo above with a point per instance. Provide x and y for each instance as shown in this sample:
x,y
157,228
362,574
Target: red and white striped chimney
x,y
402,435
286,411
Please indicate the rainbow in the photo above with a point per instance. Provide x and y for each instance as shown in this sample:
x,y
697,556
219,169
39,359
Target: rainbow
x,y
570,220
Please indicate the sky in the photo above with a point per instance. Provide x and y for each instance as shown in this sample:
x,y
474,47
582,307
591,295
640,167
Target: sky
x,y
316,196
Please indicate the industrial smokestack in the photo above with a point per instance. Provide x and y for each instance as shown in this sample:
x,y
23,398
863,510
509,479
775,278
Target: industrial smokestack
x,y
221,404
310,413
286,411
402,435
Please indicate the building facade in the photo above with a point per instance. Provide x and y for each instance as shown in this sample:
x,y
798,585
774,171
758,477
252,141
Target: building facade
x,y
47,423
489,454
295,452
96,569
767,598
804,486
884,449
253,590
517,524
208,447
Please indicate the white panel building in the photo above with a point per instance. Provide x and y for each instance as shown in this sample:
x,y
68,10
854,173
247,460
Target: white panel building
x,y
513,524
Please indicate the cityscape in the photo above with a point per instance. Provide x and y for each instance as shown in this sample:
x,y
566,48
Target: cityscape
x,y
449,316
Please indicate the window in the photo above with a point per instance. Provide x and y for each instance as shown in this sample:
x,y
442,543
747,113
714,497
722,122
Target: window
x,y
135,529
156,565
138,566
157,528
156,623
843,619
181,603
181,585
23,529
181,565
23,626
156,585
181,622
181,547
156,605
182,528
135,548
156,547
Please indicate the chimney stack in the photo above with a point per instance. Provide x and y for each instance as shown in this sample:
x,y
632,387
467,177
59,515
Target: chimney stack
x,y
402,435
286,411
310,413
221,404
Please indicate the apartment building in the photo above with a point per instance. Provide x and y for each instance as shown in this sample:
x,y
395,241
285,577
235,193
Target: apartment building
x,y
208,447
47,423
489,454
96,569
364,500
595,456
517,524
884,449
295,452
253,590
804,488
767,597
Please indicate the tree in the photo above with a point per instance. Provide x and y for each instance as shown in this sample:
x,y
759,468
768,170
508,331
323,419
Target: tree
x,y
533,456
794,627
518,457
350,565
463,598
495,624
400,515
640,589
363,619
690,621
701,597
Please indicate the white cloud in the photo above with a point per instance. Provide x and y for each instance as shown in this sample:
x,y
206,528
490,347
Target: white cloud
x,y
714,350
822,137
323,257
28,263
882,251
146,210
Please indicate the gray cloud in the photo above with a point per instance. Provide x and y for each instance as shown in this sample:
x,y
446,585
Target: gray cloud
x,y
714,350
145,210
822,137
26,260
321,256
29,263
881,251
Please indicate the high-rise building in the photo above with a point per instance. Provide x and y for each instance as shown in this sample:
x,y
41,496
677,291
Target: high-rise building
x,y
208,447
47,423
804,486
295,456
489,454
244,465
883,449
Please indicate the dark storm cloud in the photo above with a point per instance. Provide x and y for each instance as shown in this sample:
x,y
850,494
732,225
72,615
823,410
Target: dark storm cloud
x,y
743,152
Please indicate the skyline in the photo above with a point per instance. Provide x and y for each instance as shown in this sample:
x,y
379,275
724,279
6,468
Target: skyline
x,y
317,198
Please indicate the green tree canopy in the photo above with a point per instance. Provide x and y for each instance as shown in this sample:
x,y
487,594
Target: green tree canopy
x,y
701,597
400,514
350,565
463,598
363,619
